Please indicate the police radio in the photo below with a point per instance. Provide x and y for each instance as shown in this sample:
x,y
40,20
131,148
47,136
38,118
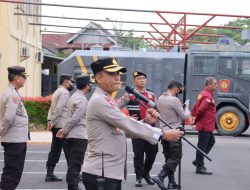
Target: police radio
x,y
101,180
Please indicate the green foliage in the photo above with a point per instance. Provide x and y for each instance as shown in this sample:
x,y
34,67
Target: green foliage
x,y
235,33
128,39
204,38
37,112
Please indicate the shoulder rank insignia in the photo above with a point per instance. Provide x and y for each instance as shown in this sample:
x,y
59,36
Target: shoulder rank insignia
x,y
112,103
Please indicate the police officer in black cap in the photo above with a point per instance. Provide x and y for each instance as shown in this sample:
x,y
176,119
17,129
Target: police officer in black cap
x,y
13,129
140,146
75,130
104,166
56,119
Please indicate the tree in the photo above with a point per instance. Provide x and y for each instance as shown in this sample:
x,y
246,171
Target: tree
x,y
127,38
235,34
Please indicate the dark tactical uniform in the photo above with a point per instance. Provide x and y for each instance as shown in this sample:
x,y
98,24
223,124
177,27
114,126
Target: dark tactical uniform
x,y
13,133
140,146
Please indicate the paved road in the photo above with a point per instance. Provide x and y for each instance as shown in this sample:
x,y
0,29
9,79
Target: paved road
x,y
230,165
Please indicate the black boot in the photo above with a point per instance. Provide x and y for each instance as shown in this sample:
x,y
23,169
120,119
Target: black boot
x,y
195,164
50,177
171,183
159,180
73,187
138,182
79,178
148,179
203,171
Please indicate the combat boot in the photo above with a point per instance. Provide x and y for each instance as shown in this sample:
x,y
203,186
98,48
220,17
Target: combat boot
x,y
73,187
148,179
50,177
79,178
159,179
171,183
203,171
138,182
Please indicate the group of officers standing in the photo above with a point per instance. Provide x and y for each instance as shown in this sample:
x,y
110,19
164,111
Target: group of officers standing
x,y
100,128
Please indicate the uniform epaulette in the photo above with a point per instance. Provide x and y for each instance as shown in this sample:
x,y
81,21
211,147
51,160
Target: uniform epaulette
x,y
150,92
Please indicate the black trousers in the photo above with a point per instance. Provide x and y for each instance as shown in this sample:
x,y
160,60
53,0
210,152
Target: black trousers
x,y
14,158
77,149
171,154
56,148
206,141
139,148
91,182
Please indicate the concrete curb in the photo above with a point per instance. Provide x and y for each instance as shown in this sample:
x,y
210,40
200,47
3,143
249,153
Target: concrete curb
x,y
40,137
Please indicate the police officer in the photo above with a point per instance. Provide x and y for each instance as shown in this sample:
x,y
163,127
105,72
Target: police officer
x,y
204,113
106,127
140,146
13,129
56,118
171,110
75,130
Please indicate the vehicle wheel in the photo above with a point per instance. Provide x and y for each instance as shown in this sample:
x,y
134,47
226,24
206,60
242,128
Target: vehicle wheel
x,y
230,120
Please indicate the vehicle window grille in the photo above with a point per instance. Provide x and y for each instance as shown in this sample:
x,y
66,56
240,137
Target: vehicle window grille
x,y
243,67
204,65
225,65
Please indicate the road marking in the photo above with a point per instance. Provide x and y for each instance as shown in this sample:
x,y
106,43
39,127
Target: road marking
x,y
46,152
64,161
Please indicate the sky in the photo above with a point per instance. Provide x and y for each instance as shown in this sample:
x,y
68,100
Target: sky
x,y
232,7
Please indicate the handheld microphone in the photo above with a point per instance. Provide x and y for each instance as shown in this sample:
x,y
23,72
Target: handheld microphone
x,y
140,96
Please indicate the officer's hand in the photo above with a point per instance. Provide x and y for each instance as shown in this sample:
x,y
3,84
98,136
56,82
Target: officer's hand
x,y
60,134
151,116
172,135
49,125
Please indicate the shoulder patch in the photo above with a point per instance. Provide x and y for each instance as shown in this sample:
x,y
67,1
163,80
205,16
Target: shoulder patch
x,y
15,99
199,97
177,101
112,103
150,95
149,91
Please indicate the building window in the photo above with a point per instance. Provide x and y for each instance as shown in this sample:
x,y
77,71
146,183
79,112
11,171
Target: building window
x,y
243,67
225,65
204,65
37,11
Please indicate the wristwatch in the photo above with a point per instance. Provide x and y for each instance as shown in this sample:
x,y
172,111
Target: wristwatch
x,y
161,135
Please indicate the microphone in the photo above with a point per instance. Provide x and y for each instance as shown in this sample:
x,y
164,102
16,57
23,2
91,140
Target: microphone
x,y
140,96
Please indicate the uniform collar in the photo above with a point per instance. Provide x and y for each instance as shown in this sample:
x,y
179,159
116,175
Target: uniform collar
x,y
101,91
209,91
61,86
11,86
145,90
80,92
